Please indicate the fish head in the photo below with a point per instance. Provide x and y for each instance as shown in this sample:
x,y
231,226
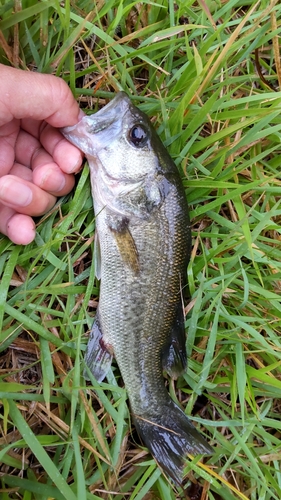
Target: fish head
x,y
119,139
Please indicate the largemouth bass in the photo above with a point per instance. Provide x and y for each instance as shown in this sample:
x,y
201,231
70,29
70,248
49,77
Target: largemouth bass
x,y
142,248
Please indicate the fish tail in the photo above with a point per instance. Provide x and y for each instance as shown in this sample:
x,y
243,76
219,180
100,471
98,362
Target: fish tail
x,y
170,438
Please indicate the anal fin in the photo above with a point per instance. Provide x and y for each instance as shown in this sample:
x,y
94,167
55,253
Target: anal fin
x,y
98,356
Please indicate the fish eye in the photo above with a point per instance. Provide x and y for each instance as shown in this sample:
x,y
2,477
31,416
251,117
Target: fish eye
x,y
138,136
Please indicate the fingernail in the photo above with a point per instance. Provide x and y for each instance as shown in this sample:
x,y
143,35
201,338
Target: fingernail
x,y
15,193
81,115
74,168
53,180
61,181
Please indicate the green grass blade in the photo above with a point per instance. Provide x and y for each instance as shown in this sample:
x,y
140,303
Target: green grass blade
x,y
39,452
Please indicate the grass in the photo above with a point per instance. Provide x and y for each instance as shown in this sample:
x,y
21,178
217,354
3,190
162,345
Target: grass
x,y
208,74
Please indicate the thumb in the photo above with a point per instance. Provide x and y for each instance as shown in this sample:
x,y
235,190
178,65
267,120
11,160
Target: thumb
x,y
25,94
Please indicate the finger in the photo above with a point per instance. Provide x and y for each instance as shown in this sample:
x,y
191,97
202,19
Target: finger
x,y
68,157
24,197
21,171
44,97
46,173
18,227
48,176
8,137
26,146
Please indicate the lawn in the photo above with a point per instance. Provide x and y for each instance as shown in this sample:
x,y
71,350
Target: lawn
x,y
208,74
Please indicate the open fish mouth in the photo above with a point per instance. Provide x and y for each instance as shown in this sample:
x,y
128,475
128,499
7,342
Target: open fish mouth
x,y
96,131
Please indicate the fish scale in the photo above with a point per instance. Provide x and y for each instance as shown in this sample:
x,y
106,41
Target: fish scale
x,y
134,337
143,239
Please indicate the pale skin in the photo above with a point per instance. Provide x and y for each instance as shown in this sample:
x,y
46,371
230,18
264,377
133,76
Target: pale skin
x,y
37,164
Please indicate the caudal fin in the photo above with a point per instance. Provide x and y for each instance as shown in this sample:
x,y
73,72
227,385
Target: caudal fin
x,y
170,438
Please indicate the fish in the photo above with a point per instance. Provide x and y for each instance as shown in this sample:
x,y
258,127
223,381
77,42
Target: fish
x,y
142,248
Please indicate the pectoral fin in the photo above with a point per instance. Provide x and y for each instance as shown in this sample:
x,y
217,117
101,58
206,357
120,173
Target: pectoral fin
x,y
128,250
174,359
97,256
98,356
125,243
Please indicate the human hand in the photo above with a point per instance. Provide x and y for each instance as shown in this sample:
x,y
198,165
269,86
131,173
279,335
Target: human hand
x,y
36,163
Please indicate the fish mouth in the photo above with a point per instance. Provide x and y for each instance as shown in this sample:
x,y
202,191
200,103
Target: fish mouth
x,y
97,131
117,107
